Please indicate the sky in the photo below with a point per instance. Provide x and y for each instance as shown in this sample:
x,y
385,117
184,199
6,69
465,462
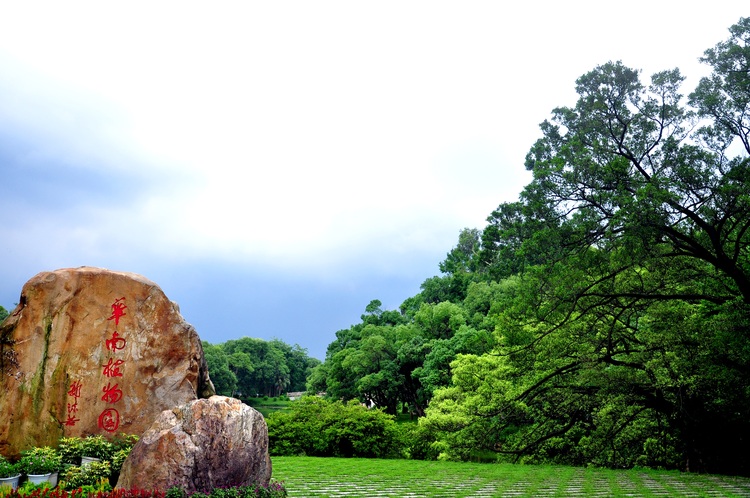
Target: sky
x,y
275,166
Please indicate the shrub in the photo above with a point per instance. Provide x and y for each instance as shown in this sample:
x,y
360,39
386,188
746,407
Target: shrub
x,y
273,490
70,450
90,475
124,442
317,427
118,459
97,447
419,442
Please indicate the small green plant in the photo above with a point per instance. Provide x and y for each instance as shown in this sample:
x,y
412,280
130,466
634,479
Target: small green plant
x,y
124,442
98,489
90,475
70,450
29,488
118,459
97,447
39,461
7,469
175,492
273,490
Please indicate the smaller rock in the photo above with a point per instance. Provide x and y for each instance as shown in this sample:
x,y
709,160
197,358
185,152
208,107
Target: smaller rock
x,y
206,443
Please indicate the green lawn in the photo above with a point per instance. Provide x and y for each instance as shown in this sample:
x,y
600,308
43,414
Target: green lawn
x,y
316,477
267,406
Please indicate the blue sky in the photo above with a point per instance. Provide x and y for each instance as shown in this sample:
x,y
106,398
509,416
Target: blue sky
x,y
275,166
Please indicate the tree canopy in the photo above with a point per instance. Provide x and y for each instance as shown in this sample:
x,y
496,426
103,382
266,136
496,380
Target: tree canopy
x,y
603,317
627,341
254,367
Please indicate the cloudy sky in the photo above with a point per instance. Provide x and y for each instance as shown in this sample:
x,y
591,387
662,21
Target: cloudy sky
x,y
275,166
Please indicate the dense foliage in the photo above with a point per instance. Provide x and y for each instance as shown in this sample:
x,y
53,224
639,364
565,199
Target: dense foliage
x,y
314,426
272,490
254,367
603,318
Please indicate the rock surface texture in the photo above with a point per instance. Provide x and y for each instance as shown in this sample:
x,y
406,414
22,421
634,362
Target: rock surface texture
x,y
93,351
203,444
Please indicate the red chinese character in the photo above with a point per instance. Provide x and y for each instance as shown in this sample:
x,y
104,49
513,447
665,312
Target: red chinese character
x,y
71,420
112,394
109,420
118,311
75,389
115,343
72,408
113,369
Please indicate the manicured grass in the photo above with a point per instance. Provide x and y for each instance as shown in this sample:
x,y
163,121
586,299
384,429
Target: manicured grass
x,y
266,406
333,477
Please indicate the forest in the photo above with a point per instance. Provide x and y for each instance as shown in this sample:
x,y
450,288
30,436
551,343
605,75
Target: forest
x,y
603,317
249,367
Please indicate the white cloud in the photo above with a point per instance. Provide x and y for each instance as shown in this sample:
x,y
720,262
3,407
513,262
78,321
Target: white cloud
x,y
310,133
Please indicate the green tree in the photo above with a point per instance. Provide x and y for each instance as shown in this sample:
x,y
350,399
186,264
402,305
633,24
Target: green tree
x,y
396,359
3,314
256,367
224,380
241,365
628,326
299,363
464,258
373,362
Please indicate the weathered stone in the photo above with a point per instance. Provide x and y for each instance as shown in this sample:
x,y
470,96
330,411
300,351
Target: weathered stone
x,y
93,351
203,444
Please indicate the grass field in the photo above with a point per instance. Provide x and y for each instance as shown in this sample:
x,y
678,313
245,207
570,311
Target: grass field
x,y
267,406
338,477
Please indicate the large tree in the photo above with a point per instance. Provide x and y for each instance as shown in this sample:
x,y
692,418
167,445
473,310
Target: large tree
x,y
627,337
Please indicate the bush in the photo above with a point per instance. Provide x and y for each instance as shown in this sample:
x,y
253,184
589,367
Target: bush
x,y
317,427
118,459
70,450
124,442
90,475
273,490
97,447
419,442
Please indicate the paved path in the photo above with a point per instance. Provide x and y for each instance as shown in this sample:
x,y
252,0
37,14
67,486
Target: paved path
x,y
635,485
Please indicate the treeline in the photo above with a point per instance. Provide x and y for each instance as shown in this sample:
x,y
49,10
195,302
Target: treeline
x,y
604,317
250,367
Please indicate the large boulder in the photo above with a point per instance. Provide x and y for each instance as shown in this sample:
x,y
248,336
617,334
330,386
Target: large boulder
x,y
93,351
201,445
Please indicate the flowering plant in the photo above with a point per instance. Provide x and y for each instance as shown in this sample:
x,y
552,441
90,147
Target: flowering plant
x,y
7,469
39,461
